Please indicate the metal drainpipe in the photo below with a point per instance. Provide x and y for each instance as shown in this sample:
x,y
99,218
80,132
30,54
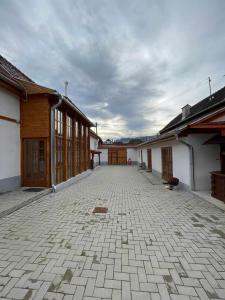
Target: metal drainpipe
x,y
53,141
191,154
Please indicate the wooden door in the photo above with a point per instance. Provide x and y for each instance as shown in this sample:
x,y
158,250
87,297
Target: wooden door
x,y
122,156
149,155
114,158
117,156
167,162
222,147
34,162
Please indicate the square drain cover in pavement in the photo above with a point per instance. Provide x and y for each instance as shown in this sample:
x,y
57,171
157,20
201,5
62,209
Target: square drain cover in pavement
x,y
100,210
33,190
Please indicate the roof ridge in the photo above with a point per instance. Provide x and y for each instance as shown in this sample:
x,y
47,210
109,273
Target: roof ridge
x,y
204,102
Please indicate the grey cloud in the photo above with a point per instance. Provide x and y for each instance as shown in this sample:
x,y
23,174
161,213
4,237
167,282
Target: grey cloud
x,y
131,64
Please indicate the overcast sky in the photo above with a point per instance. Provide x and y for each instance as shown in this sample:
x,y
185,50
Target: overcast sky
x,y
131,64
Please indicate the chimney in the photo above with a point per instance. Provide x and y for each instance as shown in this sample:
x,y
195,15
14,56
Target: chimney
x,y
186,111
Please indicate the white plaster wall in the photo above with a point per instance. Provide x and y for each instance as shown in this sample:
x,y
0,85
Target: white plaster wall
x,y
181,160
132,154
104,156
156,159
139,155
10,136
9,105
181,163
207,159
144,155
94,146
93,143
9,149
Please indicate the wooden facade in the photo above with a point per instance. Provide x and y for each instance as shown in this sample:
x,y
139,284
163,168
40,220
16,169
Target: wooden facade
x,y
71,141
35,141
218,177
218,185
117,156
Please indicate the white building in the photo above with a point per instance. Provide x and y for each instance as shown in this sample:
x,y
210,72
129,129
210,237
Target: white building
x,y
10,152
118,154
10,140
191,147
95,140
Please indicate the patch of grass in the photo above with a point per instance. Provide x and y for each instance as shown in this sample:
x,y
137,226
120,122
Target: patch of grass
x,y
67,276
95,261
42,260
214,217
168,278
178,233
54,287
219,232
68,246
194,219
198,225
28,295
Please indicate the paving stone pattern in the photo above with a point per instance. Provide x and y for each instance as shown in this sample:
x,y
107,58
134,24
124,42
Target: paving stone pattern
x,y
152,244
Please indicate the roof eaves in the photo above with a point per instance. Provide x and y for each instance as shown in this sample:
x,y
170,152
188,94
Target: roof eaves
x,y
95,135
161,138
11,82
78,111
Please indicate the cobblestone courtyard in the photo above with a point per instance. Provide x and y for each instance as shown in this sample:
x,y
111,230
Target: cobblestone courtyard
x,y
152,244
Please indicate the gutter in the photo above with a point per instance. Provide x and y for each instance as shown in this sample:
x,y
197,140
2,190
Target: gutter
x,y
156,140
191,155
53,140
11,82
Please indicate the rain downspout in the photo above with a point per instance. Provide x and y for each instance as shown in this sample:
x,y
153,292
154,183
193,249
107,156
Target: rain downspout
x,y
53,141
191,155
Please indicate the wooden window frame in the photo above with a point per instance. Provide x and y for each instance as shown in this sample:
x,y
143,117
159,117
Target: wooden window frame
x,y
58,146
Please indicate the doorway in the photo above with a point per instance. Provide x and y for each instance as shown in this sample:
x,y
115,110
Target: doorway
x,y
167,163
117,156
149,156
34,162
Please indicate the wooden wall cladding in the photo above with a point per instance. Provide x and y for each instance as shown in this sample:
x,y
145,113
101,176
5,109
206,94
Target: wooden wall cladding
x,y
117,156
35,117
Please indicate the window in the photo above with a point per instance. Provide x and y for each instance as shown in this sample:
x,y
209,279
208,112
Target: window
x,y
58,146
69,141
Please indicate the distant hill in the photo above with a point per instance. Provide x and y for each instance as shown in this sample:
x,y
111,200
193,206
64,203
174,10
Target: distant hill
x,y
136,140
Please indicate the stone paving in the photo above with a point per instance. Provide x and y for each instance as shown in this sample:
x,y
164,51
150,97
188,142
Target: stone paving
x,y
11,201
152,244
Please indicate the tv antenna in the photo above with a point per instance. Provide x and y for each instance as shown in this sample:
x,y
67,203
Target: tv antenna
x,y
210,88
66,87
